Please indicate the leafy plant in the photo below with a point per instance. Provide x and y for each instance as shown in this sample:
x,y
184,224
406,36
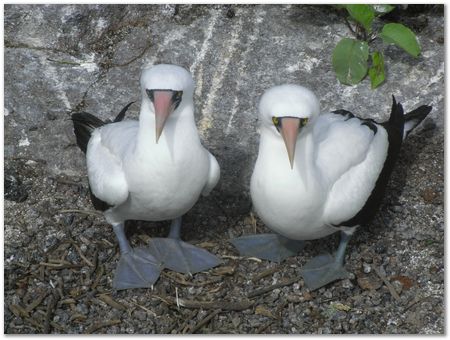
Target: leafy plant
x,y
351,56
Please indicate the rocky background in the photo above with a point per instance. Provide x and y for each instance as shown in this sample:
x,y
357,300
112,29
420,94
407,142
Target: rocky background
x,y
60,254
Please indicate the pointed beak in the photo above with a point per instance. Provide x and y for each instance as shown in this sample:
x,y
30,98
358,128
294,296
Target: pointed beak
x,y
289,131
163,107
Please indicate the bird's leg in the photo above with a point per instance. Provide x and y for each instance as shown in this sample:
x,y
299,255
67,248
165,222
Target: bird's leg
x,y
180,256
325,268
137,268
175,229
272,247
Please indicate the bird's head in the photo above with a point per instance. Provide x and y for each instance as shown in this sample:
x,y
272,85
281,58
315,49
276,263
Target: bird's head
x,y
286,110
166,89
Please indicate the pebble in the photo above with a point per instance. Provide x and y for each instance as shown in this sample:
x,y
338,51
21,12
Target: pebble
x,y
347,284
367,268
140,315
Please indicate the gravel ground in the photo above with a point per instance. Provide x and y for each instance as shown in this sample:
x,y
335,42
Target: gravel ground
x,y
60,255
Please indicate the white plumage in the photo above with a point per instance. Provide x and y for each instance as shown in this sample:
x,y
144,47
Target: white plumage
x,y
339,168
143,179
336,164
153,169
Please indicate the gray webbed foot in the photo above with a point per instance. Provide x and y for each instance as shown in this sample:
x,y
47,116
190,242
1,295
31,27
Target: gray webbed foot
x,y
270,247
322,270
136,269
182,257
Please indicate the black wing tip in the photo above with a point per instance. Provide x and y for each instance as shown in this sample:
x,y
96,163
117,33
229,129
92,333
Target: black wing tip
x,y
121,114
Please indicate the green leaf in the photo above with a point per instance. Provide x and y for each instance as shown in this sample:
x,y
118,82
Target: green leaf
x,y
363,14
350,60
401,36
376,71
382,9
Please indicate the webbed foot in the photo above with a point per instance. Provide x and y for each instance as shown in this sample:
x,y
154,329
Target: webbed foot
x,y
136,269
182,257
270,247
322,270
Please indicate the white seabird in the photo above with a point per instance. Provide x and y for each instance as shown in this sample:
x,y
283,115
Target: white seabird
x,y
153,169
332,177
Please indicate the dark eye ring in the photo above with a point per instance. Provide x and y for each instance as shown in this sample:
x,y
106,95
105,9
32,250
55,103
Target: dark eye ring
x,y
177,95
303,122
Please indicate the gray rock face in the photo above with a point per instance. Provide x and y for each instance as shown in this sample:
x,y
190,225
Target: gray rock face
x,y
60,59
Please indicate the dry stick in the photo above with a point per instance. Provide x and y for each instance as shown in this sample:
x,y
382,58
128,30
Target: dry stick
x,y
388,284
110,301
415,301
144,308
59,265
270,288
78,211
36,302
224,305
204,321
50,310
85,259
215,279
262,328
99,325
100,273
191,315
265,273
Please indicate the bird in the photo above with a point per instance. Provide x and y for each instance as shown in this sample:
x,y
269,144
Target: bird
x,y
153,169
317,174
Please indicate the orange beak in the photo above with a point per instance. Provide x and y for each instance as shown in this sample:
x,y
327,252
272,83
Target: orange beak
x,y
289,131
163,107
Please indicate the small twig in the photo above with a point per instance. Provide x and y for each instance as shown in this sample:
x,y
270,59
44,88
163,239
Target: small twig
x,y
78,211
85,259
36,302
270,288
35,323
416,301
224,305
184,325
66,181
110,301
204,321
262,328
99,276
183,282
50,311
59,265
145,309
388,284
98,325
265,273
241,258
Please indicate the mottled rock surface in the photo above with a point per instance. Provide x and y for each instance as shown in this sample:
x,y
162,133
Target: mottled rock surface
x,y
63,58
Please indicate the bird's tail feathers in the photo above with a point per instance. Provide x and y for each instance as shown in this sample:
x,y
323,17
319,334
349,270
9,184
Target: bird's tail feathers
x,y
414,118
396,117
121,114
83,125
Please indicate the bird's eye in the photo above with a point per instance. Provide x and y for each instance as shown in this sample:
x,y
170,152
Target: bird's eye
x,y
276,121
177,95
150,94
303,122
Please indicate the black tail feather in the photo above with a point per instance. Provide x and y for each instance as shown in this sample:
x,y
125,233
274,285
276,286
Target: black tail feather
x,y
121,114
415,117
83,124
